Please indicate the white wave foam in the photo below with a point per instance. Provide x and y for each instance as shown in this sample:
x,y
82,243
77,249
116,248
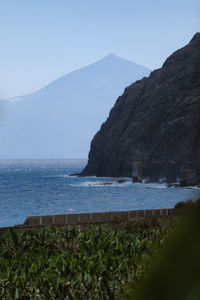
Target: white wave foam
x,y
193,187
70,209
102,184
153,185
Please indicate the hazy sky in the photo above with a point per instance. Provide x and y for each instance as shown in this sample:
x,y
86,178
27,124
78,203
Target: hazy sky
x,y
42,40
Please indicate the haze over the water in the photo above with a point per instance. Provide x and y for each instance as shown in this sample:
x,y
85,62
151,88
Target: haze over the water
x,y
43,40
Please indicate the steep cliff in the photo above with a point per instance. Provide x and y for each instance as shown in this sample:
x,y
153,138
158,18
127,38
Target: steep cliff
x,y
156,119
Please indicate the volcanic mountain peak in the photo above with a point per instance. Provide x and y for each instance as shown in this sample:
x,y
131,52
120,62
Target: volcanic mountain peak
x,y
59,120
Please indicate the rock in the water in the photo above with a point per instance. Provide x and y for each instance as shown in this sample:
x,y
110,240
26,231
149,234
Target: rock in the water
x,y
157,119
74,174
121,181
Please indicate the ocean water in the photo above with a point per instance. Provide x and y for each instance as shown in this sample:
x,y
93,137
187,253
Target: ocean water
x,y
44,187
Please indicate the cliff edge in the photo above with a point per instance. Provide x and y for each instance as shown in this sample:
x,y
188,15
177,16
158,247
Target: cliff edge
x,y
156,119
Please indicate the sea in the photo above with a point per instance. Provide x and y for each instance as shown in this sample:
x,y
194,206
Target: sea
x,y
45,187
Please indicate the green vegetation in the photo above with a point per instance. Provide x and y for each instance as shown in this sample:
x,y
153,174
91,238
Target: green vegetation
x,y
91,262
175,273
141,260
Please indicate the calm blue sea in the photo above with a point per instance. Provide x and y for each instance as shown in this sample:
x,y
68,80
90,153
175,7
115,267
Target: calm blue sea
x,y
42,187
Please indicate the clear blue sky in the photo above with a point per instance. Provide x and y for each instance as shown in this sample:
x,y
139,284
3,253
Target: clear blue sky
x,y
42,40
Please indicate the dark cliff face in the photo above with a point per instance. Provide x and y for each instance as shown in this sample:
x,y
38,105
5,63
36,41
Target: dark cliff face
x,y
156,119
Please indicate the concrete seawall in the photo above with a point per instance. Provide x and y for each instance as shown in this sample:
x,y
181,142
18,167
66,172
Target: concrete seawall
x,y
90,218
94,218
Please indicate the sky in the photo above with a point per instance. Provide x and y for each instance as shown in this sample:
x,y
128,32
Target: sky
x,y
42,40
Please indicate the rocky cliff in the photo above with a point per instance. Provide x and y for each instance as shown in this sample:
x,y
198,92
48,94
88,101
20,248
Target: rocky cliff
x,y
156,119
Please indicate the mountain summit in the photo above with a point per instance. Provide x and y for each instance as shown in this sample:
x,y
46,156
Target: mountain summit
x,y
59,120
156,119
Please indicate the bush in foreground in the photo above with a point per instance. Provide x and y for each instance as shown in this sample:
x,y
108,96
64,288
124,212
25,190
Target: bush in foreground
x,y
175,274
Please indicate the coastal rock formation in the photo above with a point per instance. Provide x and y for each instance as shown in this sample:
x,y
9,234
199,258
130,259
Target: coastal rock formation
x,y
156,119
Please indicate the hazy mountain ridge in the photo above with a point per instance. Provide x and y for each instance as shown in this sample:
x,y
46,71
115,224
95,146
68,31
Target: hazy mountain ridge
x,y
59,120
156,119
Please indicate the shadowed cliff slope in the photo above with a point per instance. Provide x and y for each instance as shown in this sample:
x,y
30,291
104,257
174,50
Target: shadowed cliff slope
x,y
156,119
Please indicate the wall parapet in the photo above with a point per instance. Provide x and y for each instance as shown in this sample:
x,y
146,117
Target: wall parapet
x,y
96,217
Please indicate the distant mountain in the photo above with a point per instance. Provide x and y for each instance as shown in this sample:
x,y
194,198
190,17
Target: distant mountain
x,y
156,119
60,120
